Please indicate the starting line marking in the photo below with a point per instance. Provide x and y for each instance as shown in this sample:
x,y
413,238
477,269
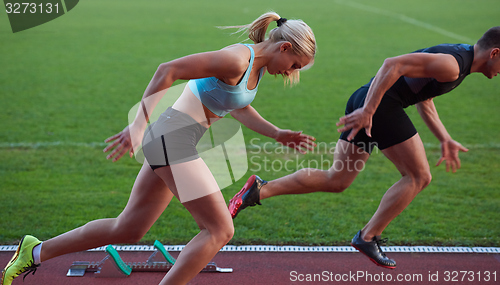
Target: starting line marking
x,y
273,248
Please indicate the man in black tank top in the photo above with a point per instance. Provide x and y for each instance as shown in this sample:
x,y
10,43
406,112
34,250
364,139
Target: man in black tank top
x,y
410,91
378,119
375,116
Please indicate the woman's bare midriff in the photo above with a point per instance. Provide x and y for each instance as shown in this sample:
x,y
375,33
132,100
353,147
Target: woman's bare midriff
x,y
189,104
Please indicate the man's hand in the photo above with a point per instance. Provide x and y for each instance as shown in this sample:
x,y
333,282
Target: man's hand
x,y
356,121
449,152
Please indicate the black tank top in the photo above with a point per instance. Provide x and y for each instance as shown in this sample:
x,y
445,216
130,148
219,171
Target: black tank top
x,y
410,91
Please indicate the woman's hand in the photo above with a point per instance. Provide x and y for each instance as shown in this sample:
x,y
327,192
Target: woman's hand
x,y
356,121
449,152
128,139
296,140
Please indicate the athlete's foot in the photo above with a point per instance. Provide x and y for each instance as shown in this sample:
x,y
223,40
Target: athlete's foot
x,y
373,251
249,195
22,261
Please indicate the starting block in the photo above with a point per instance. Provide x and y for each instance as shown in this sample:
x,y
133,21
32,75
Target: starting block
x,y
112,266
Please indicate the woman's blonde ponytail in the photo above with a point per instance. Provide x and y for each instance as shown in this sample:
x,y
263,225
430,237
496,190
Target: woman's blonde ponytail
x,y
257,29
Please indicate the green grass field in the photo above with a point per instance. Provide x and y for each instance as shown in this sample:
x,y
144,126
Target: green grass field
x,y
67,85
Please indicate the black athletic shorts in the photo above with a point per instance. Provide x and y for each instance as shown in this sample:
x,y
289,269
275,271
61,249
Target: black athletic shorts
x,y
390,124
172,139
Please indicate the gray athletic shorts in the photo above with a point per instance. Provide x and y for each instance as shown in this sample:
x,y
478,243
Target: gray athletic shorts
x,y
172,139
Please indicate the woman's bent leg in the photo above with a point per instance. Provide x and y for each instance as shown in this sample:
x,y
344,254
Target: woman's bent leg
x,y
194,179
149,198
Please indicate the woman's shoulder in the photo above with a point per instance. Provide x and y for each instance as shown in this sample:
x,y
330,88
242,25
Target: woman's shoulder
x,y
239,55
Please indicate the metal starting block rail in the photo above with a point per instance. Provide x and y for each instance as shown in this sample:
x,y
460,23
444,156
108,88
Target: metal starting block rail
x,y
112,266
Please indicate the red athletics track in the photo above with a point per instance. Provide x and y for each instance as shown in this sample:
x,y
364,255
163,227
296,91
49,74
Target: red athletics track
x,y
276,268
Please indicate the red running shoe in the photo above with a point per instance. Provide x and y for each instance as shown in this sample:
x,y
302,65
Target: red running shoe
x,y
249,195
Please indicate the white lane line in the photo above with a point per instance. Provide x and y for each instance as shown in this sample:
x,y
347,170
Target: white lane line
x,y
274,248
406,19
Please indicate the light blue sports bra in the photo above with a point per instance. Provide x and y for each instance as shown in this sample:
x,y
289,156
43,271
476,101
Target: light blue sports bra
x,y
221,98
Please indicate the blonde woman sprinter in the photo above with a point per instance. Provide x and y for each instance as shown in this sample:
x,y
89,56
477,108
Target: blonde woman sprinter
x,y
221,82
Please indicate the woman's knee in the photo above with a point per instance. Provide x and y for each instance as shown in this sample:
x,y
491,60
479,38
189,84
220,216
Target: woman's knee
x,y
222,235
132,237
126,232
227,233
